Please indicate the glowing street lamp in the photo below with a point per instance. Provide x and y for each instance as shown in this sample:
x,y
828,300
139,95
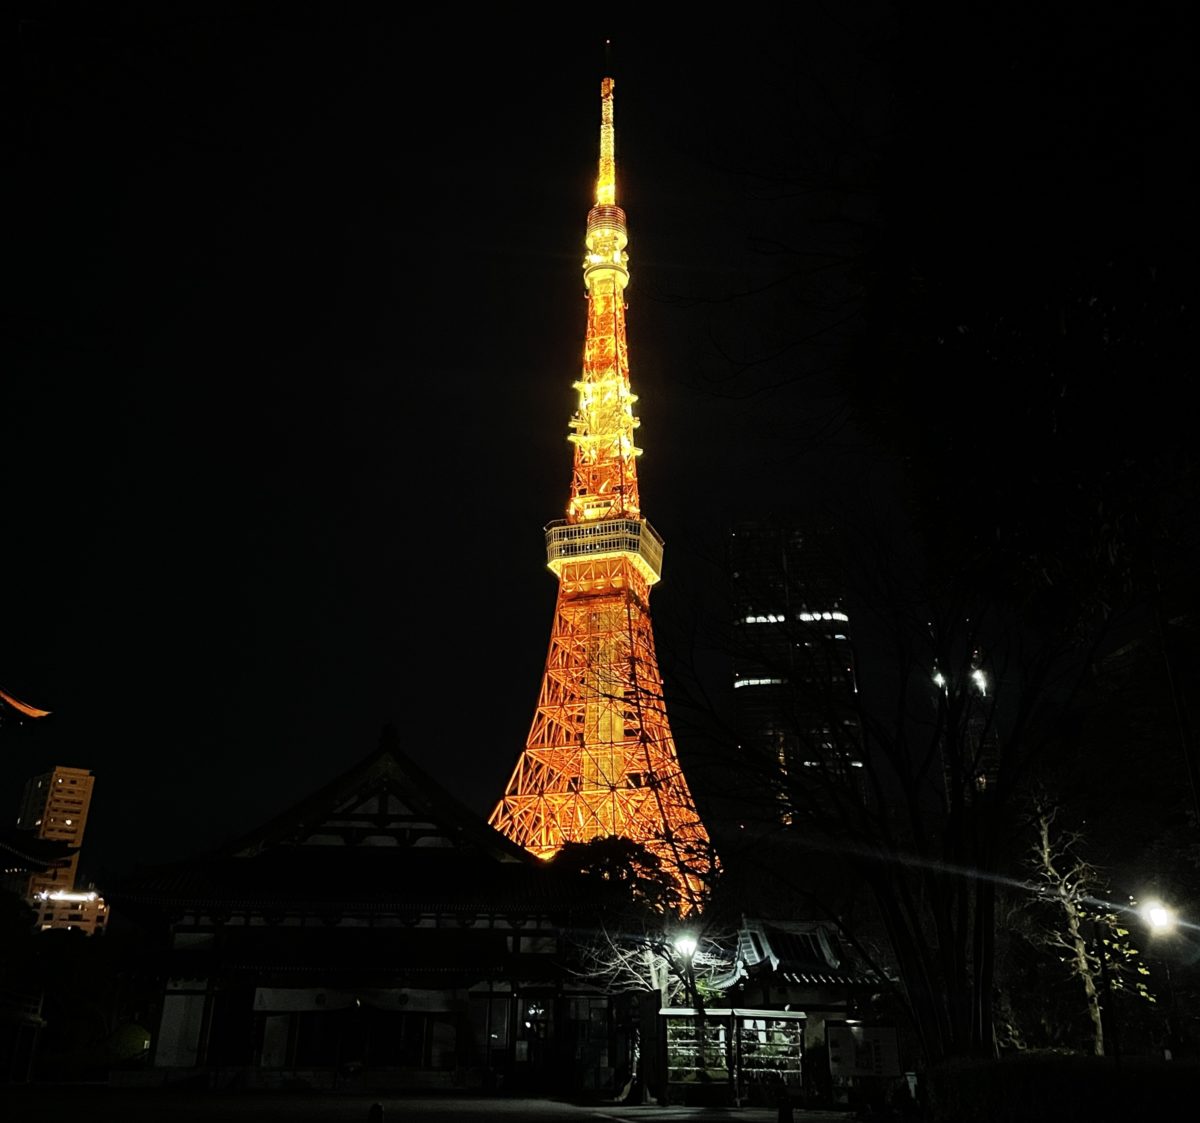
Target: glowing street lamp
x,y
1159,919
685,944
1162,921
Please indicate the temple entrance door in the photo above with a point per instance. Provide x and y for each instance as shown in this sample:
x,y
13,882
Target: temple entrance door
x,y
533,1040
274,1052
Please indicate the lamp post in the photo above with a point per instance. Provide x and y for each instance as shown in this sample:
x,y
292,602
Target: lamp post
x,y
673,955
685,944
1161,922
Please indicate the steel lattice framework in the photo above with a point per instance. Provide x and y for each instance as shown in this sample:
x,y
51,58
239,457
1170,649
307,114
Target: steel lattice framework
x,y
600,759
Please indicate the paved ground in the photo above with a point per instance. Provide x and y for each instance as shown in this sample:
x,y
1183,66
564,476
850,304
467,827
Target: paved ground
x,y
141,1105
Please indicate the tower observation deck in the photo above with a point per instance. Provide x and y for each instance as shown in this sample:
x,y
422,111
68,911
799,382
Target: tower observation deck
x,y
600,759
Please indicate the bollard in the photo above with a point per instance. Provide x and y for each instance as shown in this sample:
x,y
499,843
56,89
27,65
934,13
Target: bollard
x,y
375,1115
785,1108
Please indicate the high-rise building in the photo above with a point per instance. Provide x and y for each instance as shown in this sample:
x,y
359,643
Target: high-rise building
x,y
600,759
83,909
793,665
55,806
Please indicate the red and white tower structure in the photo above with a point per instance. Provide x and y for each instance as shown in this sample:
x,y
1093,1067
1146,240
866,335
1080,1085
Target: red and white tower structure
x,y
600,759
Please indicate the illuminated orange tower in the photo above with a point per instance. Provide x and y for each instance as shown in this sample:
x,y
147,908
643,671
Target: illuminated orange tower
x,y
600,759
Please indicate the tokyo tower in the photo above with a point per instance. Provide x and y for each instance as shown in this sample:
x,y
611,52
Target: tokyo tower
x,y
600,759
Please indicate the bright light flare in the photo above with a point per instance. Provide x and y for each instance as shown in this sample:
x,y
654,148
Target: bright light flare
x,y
685,945
1158,917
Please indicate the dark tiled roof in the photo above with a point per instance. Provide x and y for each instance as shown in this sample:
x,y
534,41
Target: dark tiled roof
x,y
431,854
26,850
820,978
364,878
807,954
388,770
421,953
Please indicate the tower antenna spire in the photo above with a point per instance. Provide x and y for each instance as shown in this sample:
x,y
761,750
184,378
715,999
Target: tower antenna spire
x,y
606,180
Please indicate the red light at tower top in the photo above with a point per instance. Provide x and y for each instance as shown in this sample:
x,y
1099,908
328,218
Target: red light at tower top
x,y
600,759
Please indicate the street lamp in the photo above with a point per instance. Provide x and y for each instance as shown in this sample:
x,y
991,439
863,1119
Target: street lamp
x,y
685,944
1159,919
1162,921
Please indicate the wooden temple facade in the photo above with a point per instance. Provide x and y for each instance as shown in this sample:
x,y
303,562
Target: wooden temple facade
x,y
375,935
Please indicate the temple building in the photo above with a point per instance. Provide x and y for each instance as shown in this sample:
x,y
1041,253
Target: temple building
x,y
376,934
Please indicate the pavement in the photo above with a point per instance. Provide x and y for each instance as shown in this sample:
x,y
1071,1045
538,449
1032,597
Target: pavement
x,y
102,1104
678,1114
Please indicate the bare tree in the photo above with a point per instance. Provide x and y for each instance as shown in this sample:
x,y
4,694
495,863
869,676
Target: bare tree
x,y
640,943
1084,930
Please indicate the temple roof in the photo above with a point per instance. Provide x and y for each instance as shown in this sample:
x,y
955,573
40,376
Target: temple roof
x,y
22,851
383,837
386,799
361,879
806,953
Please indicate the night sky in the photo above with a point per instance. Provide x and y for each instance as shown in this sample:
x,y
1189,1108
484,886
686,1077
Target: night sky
x,y
300,308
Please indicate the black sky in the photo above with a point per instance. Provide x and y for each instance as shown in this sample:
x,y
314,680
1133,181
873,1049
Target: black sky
x,y
300,311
